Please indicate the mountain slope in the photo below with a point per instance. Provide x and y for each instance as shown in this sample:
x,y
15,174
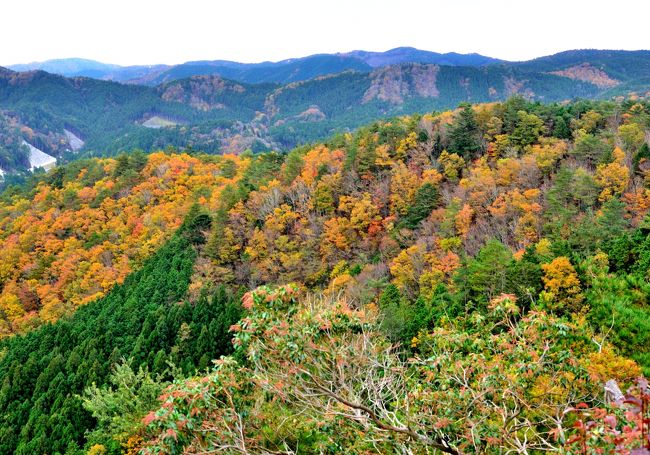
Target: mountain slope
x,y
507,236
613,66
45,371
99,112
86,226
351,99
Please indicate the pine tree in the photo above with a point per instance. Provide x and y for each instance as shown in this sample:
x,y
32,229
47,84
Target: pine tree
x,y
561,128
426,199
464,135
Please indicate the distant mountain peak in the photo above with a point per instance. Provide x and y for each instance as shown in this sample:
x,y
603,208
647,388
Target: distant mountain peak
x,y
407,54
82,67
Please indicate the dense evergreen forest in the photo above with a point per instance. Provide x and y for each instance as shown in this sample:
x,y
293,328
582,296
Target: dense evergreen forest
x,y
142,321
458,282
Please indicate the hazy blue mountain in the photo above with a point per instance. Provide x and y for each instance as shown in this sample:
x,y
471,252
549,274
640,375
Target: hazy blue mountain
x,y
70,67
300,69
79,67
412,55
284,71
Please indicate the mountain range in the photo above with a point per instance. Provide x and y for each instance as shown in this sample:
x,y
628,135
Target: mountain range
x,y
222,106
284,71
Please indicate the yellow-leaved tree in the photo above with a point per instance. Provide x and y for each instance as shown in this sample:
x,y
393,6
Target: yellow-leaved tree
x,y
614,177
562,292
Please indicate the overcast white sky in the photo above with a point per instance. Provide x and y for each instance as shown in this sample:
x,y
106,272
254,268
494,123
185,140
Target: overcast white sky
x,y
131,32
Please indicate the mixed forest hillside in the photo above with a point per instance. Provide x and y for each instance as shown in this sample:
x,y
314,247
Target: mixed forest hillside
x,y
86,226
218,111
463,282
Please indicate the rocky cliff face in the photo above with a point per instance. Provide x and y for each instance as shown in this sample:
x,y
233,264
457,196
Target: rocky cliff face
x,y
200,92
394,83
587,73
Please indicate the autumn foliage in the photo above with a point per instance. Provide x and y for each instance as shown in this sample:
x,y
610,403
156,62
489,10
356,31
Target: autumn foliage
x,y
460,282
67,243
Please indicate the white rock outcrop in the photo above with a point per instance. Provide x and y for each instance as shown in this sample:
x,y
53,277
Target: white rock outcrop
x,y
38,158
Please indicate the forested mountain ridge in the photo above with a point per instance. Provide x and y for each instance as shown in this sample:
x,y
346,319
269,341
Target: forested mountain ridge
x,y
622,66
452,271
619,65
220,115
284,71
